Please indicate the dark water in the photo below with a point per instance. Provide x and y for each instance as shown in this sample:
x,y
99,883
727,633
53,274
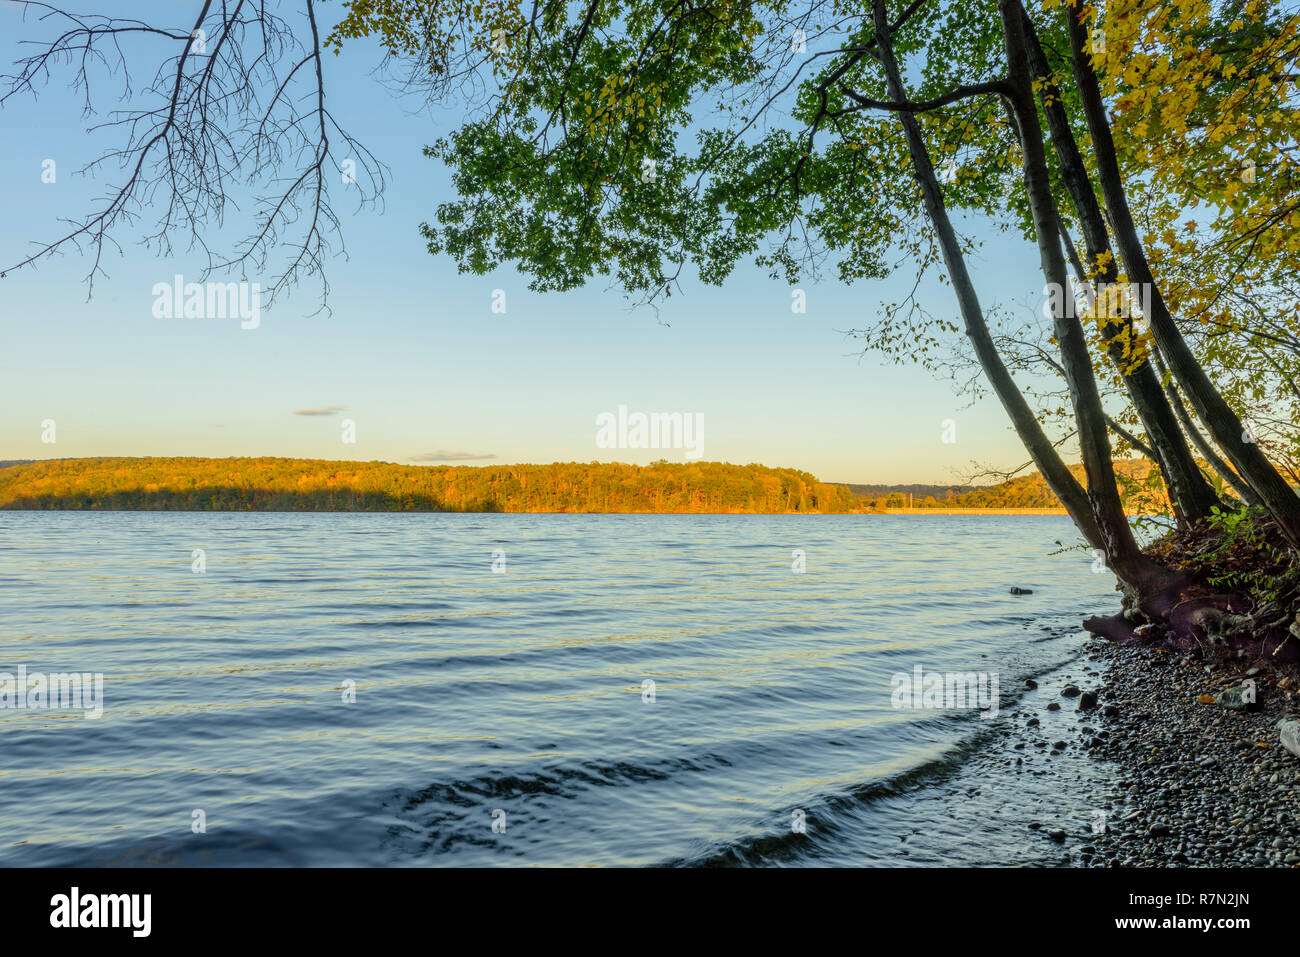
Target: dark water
x,y
522,691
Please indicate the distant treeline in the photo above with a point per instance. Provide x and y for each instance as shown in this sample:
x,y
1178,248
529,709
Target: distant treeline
x,y
314,485
1141,490
945,495
279,484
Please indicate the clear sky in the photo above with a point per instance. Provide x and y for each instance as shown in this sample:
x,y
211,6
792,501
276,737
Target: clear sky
x,y
413,353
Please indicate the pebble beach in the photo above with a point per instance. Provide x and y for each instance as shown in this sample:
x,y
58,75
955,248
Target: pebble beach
x,y
1198,778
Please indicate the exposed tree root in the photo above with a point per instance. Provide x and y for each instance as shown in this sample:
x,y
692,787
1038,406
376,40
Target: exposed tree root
x,y
1192,611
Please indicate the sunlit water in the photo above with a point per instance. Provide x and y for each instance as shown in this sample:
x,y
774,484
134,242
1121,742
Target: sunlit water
x,y
522,691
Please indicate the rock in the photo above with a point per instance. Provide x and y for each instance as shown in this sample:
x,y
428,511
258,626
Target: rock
x,y
1113,628
1070,691
1288,730
1032,723
1053,707
1059,745
1159,830
1110,711
1237,699
1021,591
1057,835
1216,624
1031,684
1088,701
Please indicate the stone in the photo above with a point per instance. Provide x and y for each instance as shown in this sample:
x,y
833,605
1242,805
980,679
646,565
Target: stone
x,y
1288,730
1237,699
1088,701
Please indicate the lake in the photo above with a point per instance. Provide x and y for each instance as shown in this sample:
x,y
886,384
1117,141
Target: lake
x,y
465,689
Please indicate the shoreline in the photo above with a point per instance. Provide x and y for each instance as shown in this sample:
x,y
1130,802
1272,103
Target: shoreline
x,y
1058,512
1196,784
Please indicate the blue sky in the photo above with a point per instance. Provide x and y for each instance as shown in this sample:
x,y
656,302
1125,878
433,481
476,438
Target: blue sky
x,y
413,354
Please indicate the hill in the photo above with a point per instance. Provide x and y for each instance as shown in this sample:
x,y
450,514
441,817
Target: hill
x,y
943,494
280,484
1140,484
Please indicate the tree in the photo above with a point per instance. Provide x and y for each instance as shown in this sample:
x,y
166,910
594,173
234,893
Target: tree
x,y
1224,424
579,166
217,115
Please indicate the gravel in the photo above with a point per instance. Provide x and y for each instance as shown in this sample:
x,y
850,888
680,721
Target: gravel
x,y
1197,784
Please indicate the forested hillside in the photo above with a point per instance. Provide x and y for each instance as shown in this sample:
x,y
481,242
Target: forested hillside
x,y
280,484
1140,487
945,495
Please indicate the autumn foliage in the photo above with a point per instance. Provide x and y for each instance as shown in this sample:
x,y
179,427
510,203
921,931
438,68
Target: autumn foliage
x,y
281,484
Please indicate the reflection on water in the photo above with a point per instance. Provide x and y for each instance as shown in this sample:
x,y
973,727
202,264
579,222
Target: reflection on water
x,y
521,691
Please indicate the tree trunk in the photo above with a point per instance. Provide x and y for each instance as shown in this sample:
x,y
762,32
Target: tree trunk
x,y
1223,424
1054,471
1150,579
1246,493
1190,494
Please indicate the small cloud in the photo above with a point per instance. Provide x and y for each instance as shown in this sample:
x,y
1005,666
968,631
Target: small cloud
x,y
327,410
442,455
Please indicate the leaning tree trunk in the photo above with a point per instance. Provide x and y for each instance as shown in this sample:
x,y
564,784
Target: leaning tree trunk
x,y
1224,470
1223,424
1190,494
1152,581
1053,469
